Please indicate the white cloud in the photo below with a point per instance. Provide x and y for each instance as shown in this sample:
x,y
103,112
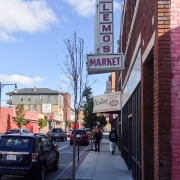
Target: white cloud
x,y
87,7
23,80
24,16
5,37
83,7
117,6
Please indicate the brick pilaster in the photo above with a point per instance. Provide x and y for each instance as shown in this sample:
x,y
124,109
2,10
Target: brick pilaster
x,y
162,84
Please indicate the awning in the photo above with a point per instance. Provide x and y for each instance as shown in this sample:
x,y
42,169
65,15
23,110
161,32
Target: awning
x,y
107,103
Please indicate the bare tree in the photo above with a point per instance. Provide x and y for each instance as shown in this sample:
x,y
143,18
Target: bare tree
x,y
76,78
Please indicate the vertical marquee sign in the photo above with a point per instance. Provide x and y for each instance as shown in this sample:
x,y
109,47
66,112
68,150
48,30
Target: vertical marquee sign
x,y
106,27
104,60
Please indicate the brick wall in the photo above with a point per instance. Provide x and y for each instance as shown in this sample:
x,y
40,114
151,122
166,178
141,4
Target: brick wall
x,y
162,84
154,16
175,88
143,25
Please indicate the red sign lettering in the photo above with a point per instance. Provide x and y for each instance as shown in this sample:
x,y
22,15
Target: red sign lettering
x,y
106,48
109,61
104,7
98,62
106,38
92,62
106,29
115,61
105,17
103,61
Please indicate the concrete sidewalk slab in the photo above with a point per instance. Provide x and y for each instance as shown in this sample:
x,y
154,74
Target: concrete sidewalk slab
x,y
103,165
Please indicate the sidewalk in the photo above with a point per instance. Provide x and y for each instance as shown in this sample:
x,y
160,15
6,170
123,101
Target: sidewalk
x,y
100,165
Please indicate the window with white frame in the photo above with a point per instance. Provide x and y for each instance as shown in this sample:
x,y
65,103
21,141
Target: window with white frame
x,y
34,108
21,98
41,97
40,108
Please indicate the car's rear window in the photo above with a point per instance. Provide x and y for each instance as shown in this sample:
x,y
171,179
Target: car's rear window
x,y
81,132
16,143
57,130
18,131
14,131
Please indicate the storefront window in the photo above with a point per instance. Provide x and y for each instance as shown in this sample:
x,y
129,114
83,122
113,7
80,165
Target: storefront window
x,y
133,80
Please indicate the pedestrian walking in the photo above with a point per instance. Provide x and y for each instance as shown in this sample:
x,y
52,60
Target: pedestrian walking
x,y
97,138
113,138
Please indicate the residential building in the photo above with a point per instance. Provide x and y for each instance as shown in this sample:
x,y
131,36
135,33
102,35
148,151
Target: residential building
x,y
72,115
80,117
52,104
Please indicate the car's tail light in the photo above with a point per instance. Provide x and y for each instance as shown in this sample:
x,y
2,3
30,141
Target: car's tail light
x,y
34,157
71,136
84,136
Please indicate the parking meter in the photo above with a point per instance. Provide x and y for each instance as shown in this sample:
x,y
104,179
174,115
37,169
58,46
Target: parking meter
x,y
78,138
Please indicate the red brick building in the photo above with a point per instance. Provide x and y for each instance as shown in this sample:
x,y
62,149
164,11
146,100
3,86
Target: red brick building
x,y
149,123
67,106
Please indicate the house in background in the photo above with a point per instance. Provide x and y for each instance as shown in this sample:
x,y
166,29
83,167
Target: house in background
x,y
52,104
7,122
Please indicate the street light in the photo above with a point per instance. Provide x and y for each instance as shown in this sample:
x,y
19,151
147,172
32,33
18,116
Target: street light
x,y
2,85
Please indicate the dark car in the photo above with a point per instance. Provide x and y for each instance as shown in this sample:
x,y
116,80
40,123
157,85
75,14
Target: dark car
x,y
57,133
28,155
83,137
17,130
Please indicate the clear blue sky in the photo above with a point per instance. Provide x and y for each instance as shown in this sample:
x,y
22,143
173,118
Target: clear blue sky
x,y
31,40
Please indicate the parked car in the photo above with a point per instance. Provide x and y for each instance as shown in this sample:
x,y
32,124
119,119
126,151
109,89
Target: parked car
x,y
57,133
28,155
83,139
17,130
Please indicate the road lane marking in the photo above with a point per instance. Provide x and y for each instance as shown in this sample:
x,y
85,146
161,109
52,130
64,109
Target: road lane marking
x,y
63,147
